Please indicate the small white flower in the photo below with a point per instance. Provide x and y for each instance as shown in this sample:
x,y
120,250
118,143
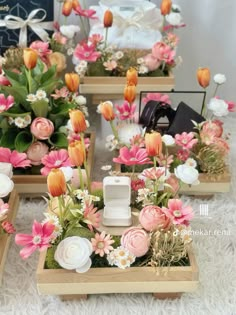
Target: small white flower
x,y
69,30
191,162
84,109
219,78
84,64
6,185
119,54
143,69
111,142
31,98
53,219
11,120
70,51
218,106
168,140
140,61
27,120
120,257
41,94
187,174
74,253
174,18
106,167
68,172
80,70
19,122
80,100
110,138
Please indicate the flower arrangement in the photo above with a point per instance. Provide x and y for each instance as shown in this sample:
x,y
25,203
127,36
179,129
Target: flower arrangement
x,y
72,235
95,57
34,114
6,187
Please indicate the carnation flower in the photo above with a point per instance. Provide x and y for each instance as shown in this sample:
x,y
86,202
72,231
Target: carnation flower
x,y
187,174
218,107
219,78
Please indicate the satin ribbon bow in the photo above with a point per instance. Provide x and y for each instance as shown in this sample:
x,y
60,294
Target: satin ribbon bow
x,y
36,24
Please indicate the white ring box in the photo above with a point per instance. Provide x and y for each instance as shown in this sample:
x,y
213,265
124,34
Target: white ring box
x,y
117,197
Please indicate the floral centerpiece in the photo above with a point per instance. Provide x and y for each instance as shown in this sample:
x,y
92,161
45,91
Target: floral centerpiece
x,y
34,114
95,57
72,235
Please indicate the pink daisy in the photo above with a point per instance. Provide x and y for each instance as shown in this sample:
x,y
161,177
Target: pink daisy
x,y
177,212
132,156
102,244
185,140
13,157
126,111
91,216
55,159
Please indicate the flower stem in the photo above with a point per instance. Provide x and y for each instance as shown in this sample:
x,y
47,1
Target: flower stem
x,y
30,81
203,111
106,35
85,164
60,211
81,181
214,94
114,130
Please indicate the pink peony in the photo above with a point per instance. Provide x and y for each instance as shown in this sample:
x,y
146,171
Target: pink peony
x,y
153,218
185,140
13,157
59,38
40,239
231,106
222,145
207,137
42,128
42,49
126,111
151,62
183,155
136,240
86,13
6,102
214,127
8,227
86,52
55,159
133,156
157,97
36,152
163,52
4,81
177,212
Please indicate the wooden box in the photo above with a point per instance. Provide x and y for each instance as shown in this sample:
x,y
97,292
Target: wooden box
x,y
5,239
209,185
69,284
36,185
108,88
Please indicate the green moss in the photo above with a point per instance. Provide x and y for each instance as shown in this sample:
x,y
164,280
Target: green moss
x,y
80,231
99,193
50,262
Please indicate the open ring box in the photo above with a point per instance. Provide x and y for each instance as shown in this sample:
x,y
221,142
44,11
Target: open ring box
x,y
117,198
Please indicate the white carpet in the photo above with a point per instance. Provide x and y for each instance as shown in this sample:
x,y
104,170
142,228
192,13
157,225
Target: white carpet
x,y
216,256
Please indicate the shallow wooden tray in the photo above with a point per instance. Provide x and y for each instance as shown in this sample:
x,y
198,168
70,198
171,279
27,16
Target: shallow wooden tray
x,y
5,239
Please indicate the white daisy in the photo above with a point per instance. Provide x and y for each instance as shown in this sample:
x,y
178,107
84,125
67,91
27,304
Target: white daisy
x,y
19,122
41,94
31,98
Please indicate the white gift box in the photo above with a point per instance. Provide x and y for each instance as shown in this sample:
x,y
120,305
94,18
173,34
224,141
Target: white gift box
x,y
136,24
117,197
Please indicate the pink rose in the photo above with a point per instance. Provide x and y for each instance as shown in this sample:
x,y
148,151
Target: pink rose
x,y
215,126
136,240
151,62
153,218
36,152
163,52
42,128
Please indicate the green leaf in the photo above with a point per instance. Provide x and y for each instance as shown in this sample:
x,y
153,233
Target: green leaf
x,y
14,115
16,78
49,75
49,86
62,109
82,232
8,139
58,140
19,92
23,140
40,108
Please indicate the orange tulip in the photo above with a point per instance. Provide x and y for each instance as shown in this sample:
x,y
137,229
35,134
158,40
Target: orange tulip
x,y
203,77
56,182
78,121
108,18
166,7
30,57
72,81
132,76
130,93
75,4
153,143
107,111
76,153
67,8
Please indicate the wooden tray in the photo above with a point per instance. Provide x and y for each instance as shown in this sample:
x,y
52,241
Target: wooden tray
x,y
36,185
209,185
5,239
69,284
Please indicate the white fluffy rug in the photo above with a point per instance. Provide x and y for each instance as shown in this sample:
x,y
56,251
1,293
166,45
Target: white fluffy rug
x,y
216,257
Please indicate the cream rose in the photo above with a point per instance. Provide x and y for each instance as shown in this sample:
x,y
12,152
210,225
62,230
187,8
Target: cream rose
x,y
6,185
74,253
136,240
42,128
36,152
168,140
153,218
187,174
219,78
57,59
218,106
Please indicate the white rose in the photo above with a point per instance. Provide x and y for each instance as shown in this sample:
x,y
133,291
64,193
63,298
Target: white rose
x,y
187,174
68,172
6,168
168,140
174,18
6,185
219,78
74,253
127,132
191,162
218,106
80,100
69,30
